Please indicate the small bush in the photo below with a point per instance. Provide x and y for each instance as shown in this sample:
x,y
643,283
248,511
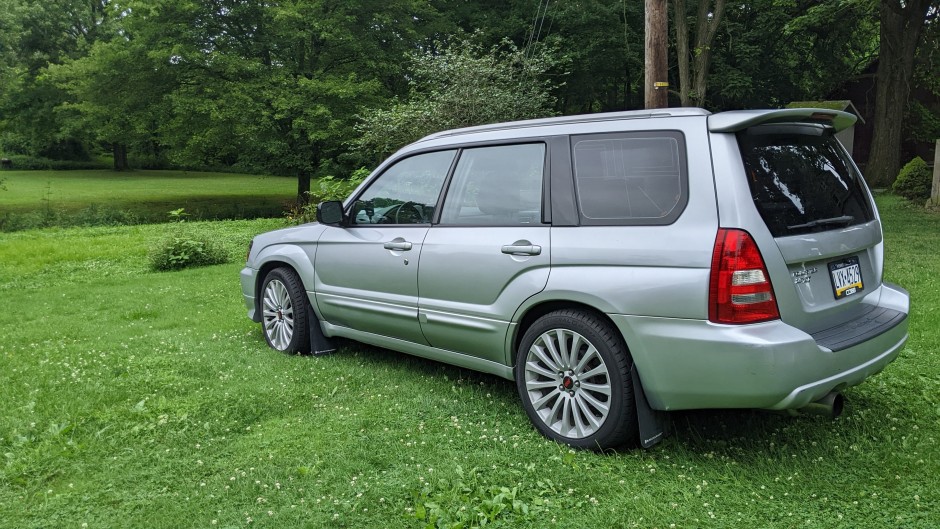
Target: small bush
x,y
47,217
186,251
328,188
914,180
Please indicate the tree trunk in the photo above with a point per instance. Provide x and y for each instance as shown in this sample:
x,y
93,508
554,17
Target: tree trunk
x,y
119,150
303,187
705,30
900,32
693,79
682,50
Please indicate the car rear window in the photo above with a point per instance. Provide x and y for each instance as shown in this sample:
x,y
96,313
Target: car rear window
x,y
801,179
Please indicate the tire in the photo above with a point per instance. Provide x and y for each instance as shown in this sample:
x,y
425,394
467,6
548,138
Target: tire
x,y
285,312
584,400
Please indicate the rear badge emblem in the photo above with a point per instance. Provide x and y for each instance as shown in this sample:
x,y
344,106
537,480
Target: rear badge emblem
x,y
803,276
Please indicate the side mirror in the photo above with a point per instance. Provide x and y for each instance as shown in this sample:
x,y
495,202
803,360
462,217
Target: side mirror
x,y
330,212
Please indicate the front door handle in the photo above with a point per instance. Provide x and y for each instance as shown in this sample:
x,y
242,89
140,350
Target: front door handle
x,y
528,249
401,246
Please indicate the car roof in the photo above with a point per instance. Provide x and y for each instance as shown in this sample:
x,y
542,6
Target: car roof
x,y
567,120
729,121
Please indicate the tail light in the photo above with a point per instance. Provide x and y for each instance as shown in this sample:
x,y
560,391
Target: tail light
x,y
739,288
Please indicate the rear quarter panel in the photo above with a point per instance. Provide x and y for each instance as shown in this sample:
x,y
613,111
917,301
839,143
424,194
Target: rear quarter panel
x,y
647,270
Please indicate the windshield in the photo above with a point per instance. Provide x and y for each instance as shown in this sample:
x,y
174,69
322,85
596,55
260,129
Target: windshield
x,y
801,179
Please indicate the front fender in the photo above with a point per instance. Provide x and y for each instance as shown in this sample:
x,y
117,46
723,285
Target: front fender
x,y
297,256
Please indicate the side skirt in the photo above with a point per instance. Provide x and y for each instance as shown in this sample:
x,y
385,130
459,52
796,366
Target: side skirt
x,y
424,351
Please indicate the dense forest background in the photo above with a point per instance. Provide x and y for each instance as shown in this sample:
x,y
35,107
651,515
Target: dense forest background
x,y
315,87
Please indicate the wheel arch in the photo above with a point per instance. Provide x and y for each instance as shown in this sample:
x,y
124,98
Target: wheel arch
x,y
286,256
532,313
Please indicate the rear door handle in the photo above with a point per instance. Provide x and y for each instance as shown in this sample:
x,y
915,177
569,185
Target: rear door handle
x,y
401,246
529,249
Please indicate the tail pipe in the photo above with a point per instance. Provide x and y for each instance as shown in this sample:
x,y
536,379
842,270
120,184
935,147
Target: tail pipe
x,y
829,406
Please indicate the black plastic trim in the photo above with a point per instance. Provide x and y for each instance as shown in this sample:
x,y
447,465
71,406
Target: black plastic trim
x,y
564,208
849,334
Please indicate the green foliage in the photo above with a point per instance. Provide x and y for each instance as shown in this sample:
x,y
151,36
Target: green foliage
x,y
914,180
327,188
464,85
470,500
177,215
186,251
31,163
331,188
771,53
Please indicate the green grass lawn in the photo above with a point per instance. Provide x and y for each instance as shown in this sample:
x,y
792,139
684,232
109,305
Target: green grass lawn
x,y
146,195
140,399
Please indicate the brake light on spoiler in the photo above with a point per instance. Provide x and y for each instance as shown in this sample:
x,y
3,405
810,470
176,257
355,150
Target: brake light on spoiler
x,y
739,286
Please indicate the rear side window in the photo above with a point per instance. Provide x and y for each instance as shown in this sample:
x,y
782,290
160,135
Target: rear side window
x,y
801,179
630,178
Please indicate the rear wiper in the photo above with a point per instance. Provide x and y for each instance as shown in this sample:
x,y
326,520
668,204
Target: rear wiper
x,y
844,219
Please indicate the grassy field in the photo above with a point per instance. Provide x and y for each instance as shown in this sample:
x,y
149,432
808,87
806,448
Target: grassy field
x,y
140,399
32,196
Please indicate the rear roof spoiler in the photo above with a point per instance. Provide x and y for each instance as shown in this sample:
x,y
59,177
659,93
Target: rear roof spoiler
x,y
737,120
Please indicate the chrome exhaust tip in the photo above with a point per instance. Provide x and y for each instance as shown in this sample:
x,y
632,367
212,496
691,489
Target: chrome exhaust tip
x,y
829,406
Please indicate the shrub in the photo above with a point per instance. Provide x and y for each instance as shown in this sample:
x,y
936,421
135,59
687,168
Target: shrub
x,y
328,188
26,163
914,180
186,251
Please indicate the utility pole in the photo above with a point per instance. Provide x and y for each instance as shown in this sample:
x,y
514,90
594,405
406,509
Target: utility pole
x,y
657,76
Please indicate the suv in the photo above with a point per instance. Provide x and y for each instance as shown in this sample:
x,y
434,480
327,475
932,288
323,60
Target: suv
x,y
611,264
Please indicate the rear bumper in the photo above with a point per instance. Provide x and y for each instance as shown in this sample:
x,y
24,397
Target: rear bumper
x,y
690,364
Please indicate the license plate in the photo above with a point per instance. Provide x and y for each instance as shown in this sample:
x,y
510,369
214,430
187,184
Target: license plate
x,y
846,277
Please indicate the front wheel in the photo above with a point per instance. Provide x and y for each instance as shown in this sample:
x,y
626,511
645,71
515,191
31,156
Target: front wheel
x,y
284,311
573,375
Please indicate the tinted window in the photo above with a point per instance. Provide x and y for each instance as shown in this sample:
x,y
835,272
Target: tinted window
x,y
496,186
630,178
801,179
406,192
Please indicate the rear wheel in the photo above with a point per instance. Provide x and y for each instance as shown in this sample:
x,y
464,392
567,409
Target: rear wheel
x,y
573,375
285,311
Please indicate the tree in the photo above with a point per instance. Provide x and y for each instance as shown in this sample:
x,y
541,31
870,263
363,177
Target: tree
x,y
693,79
276,86
462,86
902,22
770,53
36,35
117,91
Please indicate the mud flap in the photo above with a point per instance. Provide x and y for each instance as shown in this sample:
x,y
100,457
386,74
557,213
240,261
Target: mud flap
x,y
319,343
652,422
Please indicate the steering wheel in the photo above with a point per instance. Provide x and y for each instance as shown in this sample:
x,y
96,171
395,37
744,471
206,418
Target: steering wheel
x,y
409,213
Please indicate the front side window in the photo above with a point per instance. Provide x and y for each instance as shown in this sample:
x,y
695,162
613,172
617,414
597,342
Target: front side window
x,y
500,185
630,178
801,180
406,193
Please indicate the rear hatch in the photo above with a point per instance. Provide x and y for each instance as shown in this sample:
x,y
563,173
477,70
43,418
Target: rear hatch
x,y
822,217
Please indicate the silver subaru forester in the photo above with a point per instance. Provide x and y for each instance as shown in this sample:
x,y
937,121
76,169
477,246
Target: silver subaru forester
x,y
613,265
